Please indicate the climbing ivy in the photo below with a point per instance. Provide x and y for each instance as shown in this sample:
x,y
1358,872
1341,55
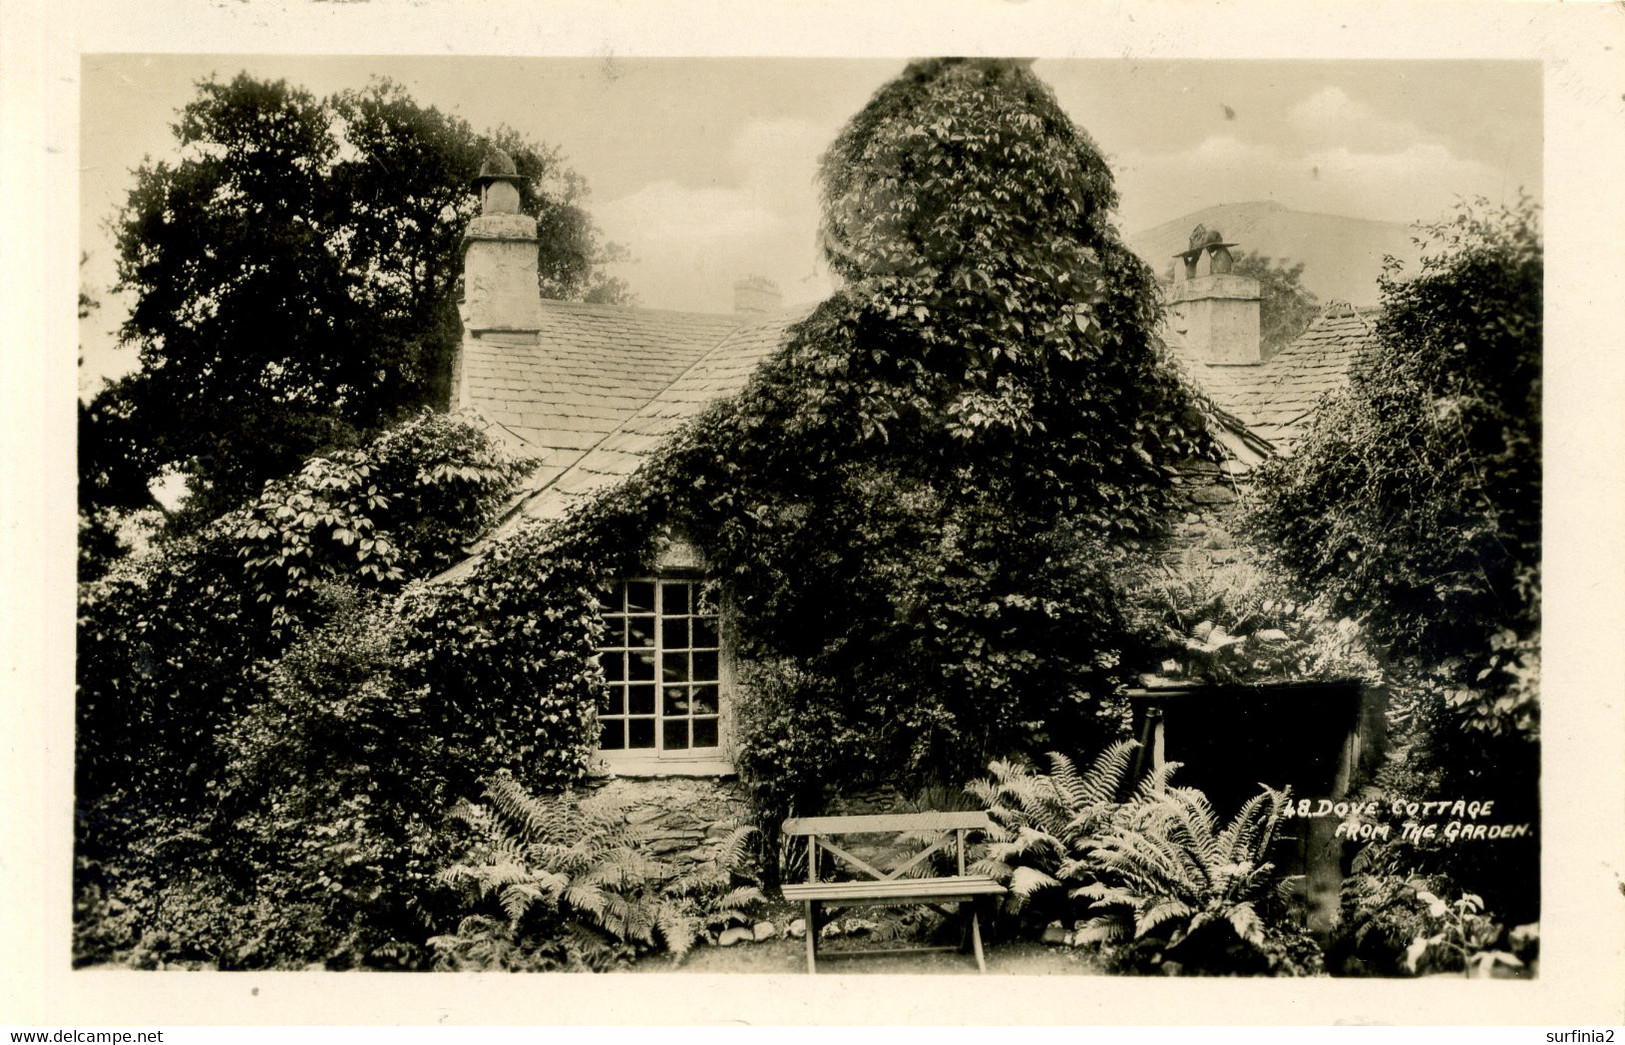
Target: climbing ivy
x,y
911,504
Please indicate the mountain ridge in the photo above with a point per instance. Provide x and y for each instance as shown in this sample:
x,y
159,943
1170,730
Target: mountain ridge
x,y
1342,256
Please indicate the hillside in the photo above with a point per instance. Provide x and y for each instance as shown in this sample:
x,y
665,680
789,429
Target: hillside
x,y
1342,256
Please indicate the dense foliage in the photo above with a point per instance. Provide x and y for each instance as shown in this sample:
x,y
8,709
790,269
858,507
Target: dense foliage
x,y
1414,506
184,724
1239,624
294,277
910,506
169,643
1146,872
1285,307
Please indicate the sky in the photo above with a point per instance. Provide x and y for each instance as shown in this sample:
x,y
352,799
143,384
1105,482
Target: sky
x,y
705,169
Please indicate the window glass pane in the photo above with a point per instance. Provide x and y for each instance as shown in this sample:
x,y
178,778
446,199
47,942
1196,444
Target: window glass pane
x,y
640,666
640,700
676,701
674,667
640,733
640,597
705,632
614,666
705,599
705,667
675,734
640,631
614,631
705,732
612,736
674,633
705,700
674,596
617,701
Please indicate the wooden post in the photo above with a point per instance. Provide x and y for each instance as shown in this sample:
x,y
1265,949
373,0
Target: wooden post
x,y
812,936
1159,752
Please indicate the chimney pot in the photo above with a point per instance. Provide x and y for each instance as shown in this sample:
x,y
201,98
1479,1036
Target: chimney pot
x,y
756,295
1218,311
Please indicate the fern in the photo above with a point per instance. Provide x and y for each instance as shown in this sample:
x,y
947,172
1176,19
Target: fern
x,y
1046,824
1169,872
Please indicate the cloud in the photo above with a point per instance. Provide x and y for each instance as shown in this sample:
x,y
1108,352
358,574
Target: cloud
x,y
1330,117
689,243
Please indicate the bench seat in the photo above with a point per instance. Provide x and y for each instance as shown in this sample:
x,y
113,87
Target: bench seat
x,y
898,891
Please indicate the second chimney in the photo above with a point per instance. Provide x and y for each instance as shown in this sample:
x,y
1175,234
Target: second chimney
x,y
756,295
1216,309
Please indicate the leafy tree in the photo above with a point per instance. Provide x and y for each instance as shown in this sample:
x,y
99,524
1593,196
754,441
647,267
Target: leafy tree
x,y
1415,505
1286,307
911,503
295,274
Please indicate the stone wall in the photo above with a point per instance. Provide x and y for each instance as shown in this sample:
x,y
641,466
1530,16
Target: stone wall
x,y
686,818
1208,501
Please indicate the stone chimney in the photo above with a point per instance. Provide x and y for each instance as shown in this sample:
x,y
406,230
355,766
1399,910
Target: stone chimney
x,y
499,264
1216,310
756,295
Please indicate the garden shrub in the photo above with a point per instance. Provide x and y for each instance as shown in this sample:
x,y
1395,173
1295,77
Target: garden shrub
x,y
376,724
1394,924
176,652
1413,505
172,645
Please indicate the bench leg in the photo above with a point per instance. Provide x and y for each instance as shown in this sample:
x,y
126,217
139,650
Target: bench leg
x,y
811,920
976,937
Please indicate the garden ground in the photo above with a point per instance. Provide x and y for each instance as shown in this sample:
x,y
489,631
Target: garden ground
x,y
782,955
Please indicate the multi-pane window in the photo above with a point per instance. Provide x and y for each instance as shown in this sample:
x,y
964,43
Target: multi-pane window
x,y
660,657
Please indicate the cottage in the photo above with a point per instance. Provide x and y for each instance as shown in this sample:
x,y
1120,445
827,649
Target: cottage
x,y
591,390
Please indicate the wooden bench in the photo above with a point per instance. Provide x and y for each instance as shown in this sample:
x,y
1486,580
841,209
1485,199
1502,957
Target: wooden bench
x,y
894,887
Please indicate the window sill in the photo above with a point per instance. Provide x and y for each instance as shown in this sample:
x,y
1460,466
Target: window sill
x,y
655,767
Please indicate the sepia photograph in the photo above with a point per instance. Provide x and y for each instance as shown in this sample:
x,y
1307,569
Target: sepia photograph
x,y
1033,515
972,515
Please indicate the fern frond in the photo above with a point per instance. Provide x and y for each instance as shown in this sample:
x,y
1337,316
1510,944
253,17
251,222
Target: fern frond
x,y
1155,784
1026,881
517,897
1103,928
677,930
742,897
1245,921
1108,774
1157,914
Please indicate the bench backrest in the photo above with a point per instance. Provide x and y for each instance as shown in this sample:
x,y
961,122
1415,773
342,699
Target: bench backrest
x,y
814,827
851,825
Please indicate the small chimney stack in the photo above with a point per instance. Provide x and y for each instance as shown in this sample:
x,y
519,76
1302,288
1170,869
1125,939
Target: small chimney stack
x,y
1216,309
756,295
500,290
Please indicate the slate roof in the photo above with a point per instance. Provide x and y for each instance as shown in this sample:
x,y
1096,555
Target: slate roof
x,y
621,382
556,394
1276,399
599,387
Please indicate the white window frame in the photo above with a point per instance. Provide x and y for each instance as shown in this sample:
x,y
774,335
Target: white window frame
x,y
657,761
